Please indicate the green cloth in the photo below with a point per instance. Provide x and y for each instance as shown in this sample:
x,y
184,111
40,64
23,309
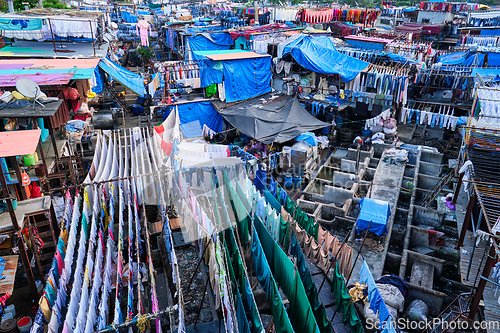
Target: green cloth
x,y
289,205
241,281
239,209
306,223
278,193
282,267
211,89
284,233
344,303
280,317
301,314
310,287
263,273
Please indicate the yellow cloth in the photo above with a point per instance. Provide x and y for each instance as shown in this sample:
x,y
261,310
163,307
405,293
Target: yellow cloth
x,y
356,292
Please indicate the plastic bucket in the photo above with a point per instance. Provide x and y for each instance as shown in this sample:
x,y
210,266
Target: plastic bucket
x,y
29,159
239,142
366,132
24,324
14,203
297,181
325,130
288,181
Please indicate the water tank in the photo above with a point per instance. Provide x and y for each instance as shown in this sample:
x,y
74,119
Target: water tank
x,y
301,153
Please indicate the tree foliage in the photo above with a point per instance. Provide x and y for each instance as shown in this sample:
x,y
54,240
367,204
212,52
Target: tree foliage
x,y
54,4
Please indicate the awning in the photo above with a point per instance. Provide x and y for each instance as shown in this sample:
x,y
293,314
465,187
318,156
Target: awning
x,y
279,118
318,54
131,80
376,211
19,142
46,72
230,54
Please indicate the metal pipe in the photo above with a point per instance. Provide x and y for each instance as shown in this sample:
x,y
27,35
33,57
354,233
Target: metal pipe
x,y
92,34
53,42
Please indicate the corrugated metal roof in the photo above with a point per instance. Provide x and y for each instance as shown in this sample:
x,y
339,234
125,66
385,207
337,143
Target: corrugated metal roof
x,y
19,142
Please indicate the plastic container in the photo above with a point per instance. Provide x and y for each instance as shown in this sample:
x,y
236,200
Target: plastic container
x,y
39,286
14,203
24,324
10,309
239,142
8,326
297,181
288,181
7,316
29,159
325,130
36,157
366,132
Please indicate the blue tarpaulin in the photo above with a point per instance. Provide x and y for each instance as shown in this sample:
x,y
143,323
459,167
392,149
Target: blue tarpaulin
x,y
209,74
207,42
20,24
246,78
493,59
133,81
488,74
193,116
466,58
376,211
318,54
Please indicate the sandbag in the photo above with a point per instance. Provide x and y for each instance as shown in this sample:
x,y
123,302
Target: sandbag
x,y
391,296
417,310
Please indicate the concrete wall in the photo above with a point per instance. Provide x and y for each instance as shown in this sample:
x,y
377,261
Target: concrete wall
x,y
434,16
353,153
427,182
431,156
433,299
427,216
431,169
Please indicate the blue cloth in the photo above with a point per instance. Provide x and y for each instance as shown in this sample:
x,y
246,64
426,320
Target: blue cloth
x,y
272,189
319,55
262,268
133,81
283,196
2,267
308,137
376,211
490,32
97,77
375,299
272,200
246,78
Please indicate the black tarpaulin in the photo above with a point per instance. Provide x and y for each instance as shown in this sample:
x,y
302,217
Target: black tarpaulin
x,y
271,118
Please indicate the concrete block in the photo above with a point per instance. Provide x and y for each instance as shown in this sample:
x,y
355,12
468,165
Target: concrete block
x,y
422,274
337,195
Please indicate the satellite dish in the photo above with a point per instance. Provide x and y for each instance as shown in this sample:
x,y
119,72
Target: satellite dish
x,y
482,83
29,89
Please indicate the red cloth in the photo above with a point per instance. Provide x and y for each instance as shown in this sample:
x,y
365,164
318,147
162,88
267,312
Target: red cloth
x,y
82,116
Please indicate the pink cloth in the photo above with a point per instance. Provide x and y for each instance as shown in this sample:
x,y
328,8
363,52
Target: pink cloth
x,y
143,29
